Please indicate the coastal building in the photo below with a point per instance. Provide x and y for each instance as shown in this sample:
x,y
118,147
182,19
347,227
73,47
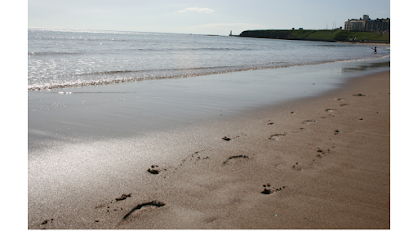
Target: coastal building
x,y
378,25
367,24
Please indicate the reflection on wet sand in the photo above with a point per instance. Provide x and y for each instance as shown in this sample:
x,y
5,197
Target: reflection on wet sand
x,y
366,66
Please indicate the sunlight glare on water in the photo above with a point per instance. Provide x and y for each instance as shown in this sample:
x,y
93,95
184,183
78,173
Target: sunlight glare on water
x,y
65,58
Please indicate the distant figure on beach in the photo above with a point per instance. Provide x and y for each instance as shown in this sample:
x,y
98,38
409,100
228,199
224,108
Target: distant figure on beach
x,y
375,50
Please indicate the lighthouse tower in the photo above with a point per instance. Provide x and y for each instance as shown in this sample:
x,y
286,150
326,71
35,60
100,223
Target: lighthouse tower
x,y
230,33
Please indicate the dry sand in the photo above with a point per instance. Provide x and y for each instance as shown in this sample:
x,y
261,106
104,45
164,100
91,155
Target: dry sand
x,y
318,163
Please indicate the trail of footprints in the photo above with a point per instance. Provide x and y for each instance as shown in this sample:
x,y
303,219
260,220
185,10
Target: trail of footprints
x,y
199,156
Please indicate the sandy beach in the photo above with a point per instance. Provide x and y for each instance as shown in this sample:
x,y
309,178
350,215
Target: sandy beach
x,y
316,163
368,43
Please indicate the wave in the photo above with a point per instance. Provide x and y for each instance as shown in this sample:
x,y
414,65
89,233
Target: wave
x,y
174,73
164,70
193,49
52,53
362,59
39,29
109,72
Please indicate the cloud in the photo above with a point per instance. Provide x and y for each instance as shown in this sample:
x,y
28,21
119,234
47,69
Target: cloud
x,y
196,9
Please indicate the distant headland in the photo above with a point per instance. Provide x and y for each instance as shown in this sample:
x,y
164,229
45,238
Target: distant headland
x,y
336,35
360,30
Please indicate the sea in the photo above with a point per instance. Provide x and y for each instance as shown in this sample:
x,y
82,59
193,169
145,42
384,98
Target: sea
x,y
73,58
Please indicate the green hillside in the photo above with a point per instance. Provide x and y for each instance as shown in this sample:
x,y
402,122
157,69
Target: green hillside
x,y
320,35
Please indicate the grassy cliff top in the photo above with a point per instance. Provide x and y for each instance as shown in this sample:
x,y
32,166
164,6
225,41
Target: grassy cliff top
x,y
320,35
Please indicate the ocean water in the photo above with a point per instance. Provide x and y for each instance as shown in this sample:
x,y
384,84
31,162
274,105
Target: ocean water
x,y
71,58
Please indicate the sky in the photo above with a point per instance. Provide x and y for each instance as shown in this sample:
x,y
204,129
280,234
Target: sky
x,y
216,17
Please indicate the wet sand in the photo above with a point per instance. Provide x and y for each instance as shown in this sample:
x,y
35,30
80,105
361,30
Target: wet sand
x,y
368,43
317,163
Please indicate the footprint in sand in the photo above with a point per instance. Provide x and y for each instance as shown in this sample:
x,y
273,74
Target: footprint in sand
x,y
123,197
229,138
134,211
47,221
300,130
111,207
268,189
235,159
154,169
137,211
297,167
321,153
277,136
210,219
196,157
308,121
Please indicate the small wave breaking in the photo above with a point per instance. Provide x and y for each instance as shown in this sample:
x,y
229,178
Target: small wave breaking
x,y
172,73
52,53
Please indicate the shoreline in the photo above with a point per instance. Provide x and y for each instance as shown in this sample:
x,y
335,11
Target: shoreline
x,y
315,163
132,109
67,86
367,43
